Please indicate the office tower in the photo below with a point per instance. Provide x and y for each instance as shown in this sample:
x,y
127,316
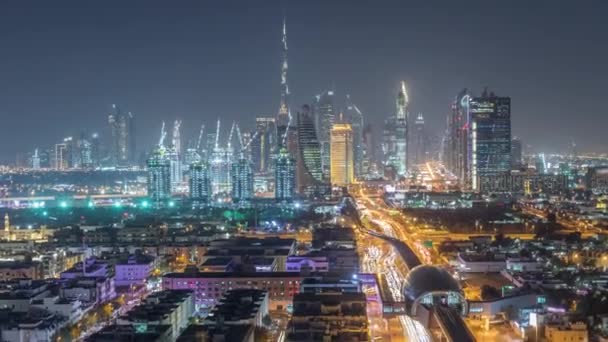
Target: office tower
x,y
309,170
286,133
457,149
173,154
324,111
59,157
159,173
285,176
263,146
355,117
516,153
369,148
395,135
341,161
85,152
159,177
491,136
36,160
242,181
200,184
220,163
95,150
540,163
122,127
418,142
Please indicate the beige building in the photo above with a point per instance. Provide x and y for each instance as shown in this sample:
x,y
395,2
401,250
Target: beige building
x,y
341,156
576,332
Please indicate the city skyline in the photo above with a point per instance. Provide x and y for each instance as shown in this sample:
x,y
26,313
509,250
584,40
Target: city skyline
x,y
69,83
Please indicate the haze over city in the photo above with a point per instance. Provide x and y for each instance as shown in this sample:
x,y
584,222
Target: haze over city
x,y
282,171
64,63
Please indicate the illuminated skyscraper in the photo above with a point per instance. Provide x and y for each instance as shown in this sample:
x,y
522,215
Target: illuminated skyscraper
x,y
457,144
491,136
309,171
59,158
36,160
418,142
95,150
122,126
85,152
200,184
355,118
242,181
263,146
285,176
395,135
159,177
324,111
342,167
516,153
220,163
286,133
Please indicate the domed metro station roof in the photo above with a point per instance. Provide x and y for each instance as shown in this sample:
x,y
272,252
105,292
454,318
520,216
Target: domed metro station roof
x,y
426,278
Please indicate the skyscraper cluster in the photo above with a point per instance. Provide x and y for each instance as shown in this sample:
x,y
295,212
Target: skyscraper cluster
x,y
478,138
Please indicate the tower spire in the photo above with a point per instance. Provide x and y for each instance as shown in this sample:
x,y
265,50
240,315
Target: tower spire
x,y
284,116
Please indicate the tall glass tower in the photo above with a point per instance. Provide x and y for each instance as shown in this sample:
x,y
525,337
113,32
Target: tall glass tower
x,y
122,127
491,136
159,177
200,184
309,171
242,181
285,176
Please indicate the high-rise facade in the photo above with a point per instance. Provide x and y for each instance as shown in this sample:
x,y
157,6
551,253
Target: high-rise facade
x,y
490,136
200,184
457,145
516,153
286,133
60,157
263,146
309,169
242,181
355,117
122,127
159,177
341,159
418,142
395,135
324,111
285,176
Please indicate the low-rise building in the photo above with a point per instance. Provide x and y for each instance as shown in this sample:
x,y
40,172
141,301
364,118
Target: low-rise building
x,y
567,333
170,307
134,333
240,306
89,290
10,270
307,263
328,316
210,287
134,270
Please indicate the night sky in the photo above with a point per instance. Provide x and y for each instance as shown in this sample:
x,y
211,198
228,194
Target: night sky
x,y
63,63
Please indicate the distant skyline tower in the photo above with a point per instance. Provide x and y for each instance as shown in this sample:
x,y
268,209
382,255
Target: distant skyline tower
x,y
342,167
418,142
286,134
355,117
491,136
175,158
200,184
516,153
285,176
59,157
309,170
242,181
324,111
395,136
457,145
159,173
122,127
263,147
36,160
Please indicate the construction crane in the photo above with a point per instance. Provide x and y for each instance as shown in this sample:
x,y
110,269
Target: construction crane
x,y
230,135
200,137
217,134
176,142
163,134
